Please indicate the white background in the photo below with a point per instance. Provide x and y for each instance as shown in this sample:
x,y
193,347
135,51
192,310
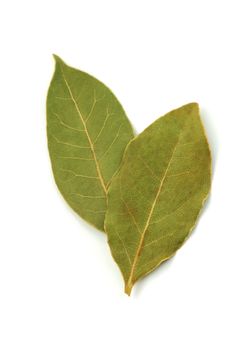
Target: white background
x,y
59,287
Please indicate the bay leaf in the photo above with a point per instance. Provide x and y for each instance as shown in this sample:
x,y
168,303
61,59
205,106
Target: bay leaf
x,y
156,197
87,132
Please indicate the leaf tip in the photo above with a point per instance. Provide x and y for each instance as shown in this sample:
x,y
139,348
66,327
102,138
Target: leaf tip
x,y
57,58
192,105
128,288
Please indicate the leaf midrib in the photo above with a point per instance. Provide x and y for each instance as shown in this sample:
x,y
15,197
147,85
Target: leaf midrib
x,y
129,283
86,132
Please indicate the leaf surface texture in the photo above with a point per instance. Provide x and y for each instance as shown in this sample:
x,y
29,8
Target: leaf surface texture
x,y
87,134
156,197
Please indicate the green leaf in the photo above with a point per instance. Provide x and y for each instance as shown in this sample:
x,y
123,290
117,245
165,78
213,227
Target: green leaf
x,y
156,197
87,132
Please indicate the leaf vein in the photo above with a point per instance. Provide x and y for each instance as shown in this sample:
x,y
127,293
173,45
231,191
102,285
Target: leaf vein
x,y
173,212
78,175
125,248
87,133
138,251
86,196
68,143
103,126
103,155
76,158
65,124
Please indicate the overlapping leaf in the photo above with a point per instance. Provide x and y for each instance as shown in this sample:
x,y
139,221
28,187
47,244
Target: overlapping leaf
x,y
155,199
87,134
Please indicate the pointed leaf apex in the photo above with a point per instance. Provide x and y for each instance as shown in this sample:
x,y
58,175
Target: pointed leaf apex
x,y
57,59
193,105
128,289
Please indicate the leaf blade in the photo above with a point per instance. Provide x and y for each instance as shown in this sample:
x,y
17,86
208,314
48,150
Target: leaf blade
x,y
163,181
83,118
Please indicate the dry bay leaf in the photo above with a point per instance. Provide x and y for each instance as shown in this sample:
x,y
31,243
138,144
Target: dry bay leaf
x,y
155,199
87,133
